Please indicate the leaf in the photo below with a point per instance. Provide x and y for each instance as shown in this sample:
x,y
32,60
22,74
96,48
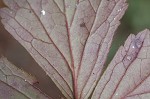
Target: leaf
x,y
16,84
128,75
70,40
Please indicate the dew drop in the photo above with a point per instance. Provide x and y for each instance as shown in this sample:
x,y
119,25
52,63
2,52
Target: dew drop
x,y
138,43
133,46
119,10
116,94
25,80
129,57
43,12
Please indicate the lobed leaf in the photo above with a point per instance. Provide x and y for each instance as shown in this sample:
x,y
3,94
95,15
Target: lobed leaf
x,y
128,75
69,39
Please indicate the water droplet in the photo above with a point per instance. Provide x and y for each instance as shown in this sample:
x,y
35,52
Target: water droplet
x,y
133,46
119,10
114,18
138,43
116,94
43,12
25,80
129,57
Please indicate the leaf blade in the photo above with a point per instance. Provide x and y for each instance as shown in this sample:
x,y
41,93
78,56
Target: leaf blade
x,y
119,72
17,83
21,16
70,47
98,44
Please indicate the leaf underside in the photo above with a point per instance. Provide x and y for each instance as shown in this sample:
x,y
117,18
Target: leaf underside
x,y
70,40
128,75
16,84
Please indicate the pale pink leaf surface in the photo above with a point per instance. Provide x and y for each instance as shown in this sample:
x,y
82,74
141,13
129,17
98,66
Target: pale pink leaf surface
x,y
15,83
69,39
44,37
128,75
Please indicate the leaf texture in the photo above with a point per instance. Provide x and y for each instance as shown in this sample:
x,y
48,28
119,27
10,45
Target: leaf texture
x,y
69,39
128,75
16,84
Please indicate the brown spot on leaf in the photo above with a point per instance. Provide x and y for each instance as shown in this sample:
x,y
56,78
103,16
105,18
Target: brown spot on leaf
x,y
82,24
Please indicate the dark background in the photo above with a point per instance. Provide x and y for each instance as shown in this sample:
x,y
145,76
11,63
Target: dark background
x,y
136,19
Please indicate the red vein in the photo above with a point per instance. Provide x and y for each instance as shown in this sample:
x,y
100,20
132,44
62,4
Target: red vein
x,y
107,81
99,48
139,94
72,59
42,56
82,54
138,85
90,32
106,17
14,89
95,30
49,36
57,6
54,69
124,72
91,5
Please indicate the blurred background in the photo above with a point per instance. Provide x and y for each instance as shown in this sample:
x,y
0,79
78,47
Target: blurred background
x,y
136,19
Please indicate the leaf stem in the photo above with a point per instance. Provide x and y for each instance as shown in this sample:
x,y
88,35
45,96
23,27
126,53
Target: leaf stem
x,y
75,87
